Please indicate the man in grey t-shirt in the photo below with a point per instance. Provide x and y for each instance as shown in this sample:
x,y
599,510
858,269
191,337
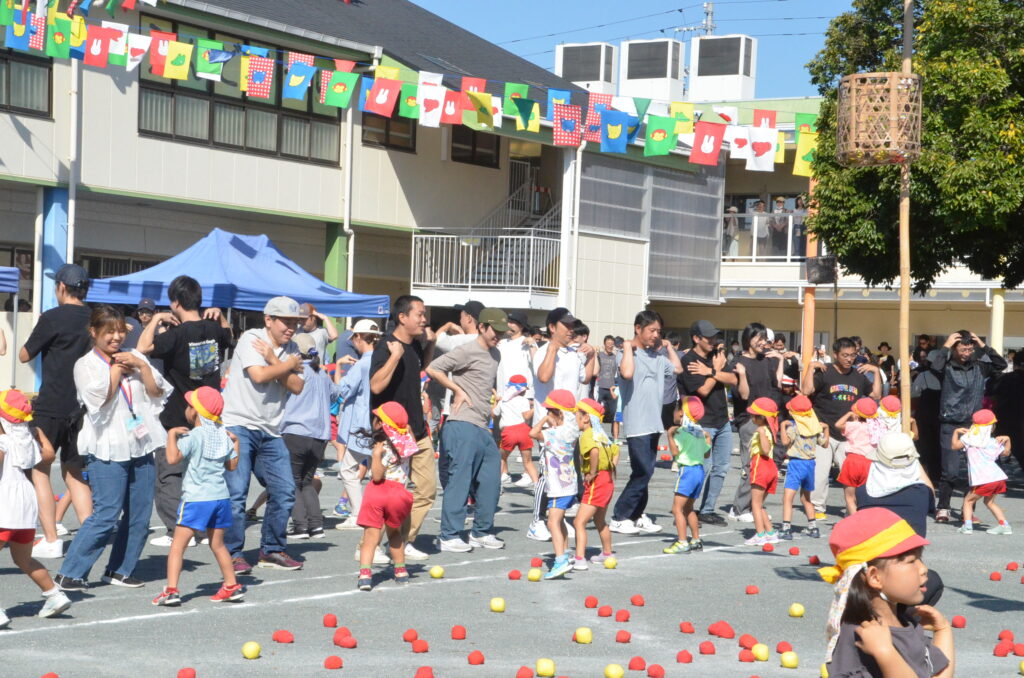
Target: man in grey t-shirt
x,y
473,458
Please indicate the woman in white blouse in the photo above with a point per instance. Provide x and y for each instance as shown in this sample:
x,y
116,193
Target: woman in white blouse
x,y
123,396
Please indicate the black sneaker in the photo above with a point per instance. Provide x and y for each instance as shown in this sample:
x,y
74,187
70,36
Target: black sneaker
x,y
317,533
712,518
125,580
250,516
786,535
696,545
813,533
278,561
70,583
296,533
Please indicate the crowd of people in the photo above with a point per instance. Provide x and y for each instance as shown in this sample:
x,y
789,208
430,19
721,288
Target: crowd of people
x,y
151,415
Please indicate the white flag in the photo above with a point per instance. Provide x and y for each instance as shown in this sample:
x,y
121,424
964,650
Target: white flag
x,y
738,137
430,96
118,45
762,149
138,47
730,115
624,104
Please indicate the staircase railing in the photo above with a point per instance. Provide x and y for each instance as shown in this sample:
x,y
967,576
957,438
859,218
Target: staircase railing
x,y
508,263
550,225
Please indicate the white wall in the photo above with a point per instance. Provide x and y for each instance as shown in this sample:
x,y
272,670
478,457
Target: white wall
x,y
24,375
610,286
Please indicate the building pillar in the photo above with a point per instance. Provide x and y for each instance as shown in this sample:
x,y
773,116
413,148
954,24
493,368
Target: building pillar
x,y
54,243
566,256
995,335
336,263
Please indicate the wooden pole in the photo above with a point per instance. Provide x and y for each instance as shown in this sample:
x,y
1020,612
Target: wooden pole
x,y
807,325
908,40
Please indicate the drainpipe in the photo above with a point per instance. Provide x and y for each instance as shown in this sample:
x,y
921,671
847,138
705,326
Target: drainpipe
x,y
73,160
575,223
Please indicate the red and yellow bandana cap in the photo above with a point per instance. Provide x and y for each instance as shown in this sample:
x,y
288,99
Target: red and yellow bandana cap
x,y
984,418
208,402
591,406
15,407
394,415
766,407
560,399
693,409
868,534
801,404
865,407
891,405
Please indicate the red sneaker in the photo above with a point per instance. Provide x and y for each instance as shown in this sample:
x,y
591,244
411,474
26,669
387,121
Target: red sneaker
x,y
226,593
169,597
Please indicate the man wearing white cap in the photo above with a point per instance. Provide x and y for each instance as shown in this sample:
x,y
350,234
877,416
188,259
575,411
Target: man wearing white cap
x,y
266,367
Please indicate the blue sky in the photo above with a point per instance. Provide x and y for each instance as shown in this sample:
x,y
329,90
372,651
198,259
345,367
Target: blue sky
x,y
781,58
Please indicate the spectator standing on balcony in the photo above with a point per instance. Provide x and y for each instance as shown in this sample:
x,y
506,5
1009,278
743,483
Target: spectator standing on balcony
x,y
799,228
780,227
730,232
759,228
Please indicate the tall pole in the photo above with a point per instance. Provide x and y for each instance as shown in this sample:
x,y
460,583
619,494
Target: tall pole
x,y
807,324
908,39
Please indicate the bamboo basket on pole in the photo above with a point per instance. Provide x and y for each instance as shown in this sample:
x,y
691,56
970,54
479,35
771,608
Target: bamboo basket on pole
x,y
878,120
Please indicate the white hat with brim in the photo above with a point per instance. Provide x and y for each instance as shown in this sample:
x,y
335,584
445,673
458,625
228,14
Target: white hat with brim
x,y
366,326
284,307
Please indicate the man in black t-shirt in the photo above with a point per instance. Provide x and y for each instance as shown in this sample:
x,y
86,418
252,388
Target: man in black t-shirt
x,y
704,375
395,375
833,389
61,337
190,350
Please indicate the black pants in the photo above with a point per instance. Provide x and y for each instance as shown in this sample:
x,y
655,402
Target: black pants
x,y
167,493
950,462
306,455
927,416
609,402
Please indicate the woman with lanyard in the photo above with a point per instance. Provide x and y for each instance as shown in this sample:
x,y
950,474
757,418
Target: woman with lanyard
x,y
123,396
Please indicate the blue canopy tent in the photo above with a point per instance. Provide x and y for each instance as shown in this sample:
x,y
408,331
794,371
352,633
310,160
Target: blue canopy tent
x,y
9,283
237,271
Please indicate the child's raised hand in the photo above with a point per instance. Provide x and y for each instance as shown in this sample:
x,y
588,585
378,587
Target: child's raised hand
x,y
179,431
930,618
874,638
960,431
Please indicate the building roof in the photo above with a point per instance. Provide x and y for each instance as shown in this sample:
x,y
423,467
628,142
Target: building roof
x,y
410,34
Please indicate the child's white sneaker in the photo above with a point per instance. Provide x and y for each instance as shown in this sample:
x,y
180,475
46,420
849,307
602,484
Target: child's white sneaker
x,y
4,619
1002,528
966,528
579,563
61,530
538,531
756,540
54,602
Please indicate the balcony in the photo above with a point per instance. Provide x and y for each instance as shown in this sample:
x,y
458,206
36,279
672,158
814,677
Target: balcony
x,y
763,237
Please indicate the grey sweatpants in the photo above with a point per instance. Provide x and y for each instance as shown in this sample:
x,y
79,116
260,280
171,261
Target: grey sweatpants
x,y
167,491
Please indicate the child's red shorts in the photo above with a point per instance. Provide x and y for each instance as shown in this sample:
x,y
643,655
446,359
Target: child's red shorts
x,y
334,427
387,503
516,435
599,492
990,489
764,473
26,536
854,472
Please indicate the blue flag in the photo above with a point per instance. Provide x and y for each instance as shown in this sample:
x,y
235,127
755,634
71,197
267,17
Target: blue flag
x,y
298,80
17,34
219,56
614,131
365,85
633,127
557,96
249,50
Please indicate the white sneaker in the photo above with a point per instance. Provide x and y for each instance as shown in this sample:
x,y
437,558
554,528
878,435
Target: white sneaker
x,y
4,619
623,526
538,531
579,564
648,526
348,524
454,545
163,540
569,529
524,482
487,541
61,530
572,511
379,557
55,604
745,517
413,553
48,549
506,479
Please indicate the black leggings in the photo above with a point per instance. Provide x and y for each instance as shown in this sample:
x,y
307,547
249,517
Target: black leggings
x,y
306,455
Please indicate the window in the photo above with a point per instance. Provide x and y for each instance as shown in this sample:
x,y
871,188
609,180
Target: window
x,y
395,133
25,82
110,266
219,114
476,148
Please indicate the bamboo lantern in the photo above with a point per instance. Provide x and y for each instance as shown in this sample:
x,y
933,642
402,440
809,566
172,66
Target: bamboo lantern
x,y
878,119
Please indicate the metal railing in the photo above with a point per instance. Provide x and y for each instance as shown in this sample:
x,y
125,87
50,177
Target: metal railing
x,y
467,262
550,225
767,237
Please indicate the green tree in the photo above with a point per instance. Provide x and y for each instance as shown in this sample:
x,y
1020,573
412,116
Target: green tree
x,y
967,193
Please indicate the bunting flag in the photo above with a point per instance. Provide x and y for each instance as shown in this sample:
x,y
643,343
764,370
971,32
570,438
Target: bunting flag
x,y
297,81
36,31
58,38
260,77
299,57
408,105
365,85
738,137
210,59
386,73
451,110
641,104
344,65
336,87
682,111
707,142
780,148
763,118
762,149
557,96
158,50
596,104
614,131
482,102
118,53
430,95
97,49
179,56
730,115
79,34
383,96
138,47
567,124
632,128
806,148
624,104
17,34
513,91
527,115
248,51
661,135
805,122
128,5
474,84
6,12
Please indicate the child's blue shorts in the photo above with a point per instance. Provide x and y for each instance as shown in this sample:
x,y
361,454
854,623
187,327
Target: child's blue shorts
x,y
691,480
800,474
561,502
203,515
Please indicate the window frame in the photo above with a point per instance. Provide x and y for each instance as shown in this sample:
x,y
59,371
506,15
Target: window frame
x,y
9,55
474,159
387,144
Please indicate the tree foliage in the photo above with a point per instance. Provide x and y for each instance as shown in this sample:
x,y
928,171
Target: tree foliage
x,y
967,189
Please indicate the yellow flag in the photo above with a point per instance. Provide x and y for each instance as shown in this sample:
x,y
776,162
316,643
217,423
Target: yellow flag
x,y
806,147
386,72
683,113
79,31
482,103
780,149
243,77
179,56
534,125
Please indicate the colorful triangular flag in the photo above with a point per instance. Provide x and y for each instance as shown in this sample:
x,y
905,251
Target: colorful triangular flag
x,y
527,115
474,84
641,104
513,91
386,72
730,115
118,53
764,118
762,149
481,102
17,34
557,96
158,50
451,110
58,38
682,111
210,59
738,137
138,46
260,77
430,96
299,57
97,47
179,56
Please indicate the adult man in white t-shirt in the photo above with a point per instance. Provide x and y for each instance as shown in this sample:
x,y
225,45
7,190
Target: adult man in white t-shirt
x,y
265,369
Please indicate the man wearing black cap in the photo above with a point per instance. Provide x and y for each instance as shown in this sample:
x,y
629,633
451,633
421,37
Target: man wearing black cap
x,y
61,337
704,375
452,335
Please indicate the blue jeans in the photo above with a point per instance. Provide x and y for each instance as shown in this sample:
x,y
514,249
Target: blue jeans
x,y
117,486
721,454
267,457
474,466
643,452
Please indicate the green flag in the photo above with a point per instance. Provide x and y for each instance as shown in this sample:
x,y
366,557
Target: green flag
x,y
340,88
6,12
408,103
513,91
642,105
661,135
524,109
58,38
207,68
805,122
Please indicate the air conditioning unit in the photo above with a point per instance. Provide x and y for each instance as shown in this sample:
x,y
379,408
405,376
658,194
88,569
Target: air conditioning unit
x,y
652,68
722,68
591,65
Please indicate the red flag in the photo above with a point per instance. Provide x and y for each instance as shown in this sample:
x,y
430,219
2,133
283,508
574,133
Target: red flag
x,y
299,56
451,110
382,97
97,45
764,118
344,65
128,5
158,50
707,142
593,130
566,125
261,77
37,30
474,84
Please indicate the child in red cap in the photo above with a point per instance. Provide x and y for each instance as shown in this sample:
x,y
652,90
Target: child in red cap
x,y
514,410
890,419
598,457
801,436
387,502
205,508
690,445
764,474
859,449
19,453
559,442
987,479
876,622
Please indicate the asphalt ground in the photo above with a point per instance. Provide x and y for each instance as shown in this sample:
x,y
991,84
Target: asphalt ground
x,y
112,631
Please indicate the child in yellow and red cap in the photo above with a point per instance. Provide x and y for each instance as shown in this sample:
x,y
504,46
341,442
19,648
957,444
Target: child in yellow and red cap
x,y
890,419
801,436
877,621
205,508
19,510
558,449
987,479
514,410
764,474
598,457
690,445
860,451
